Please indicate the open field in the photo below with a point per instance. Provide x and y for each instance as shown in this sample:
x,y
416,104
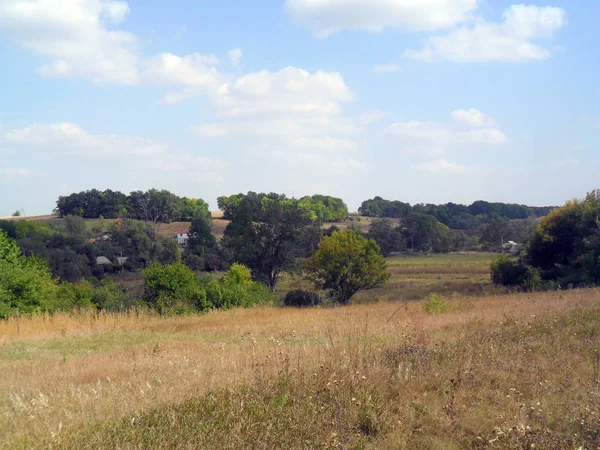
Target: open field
x,y
493,372
416,276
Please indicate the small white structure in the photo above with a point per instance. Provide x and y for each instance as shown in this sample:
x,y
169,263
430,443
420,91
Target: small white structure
x,y
513,248
122,260
182,237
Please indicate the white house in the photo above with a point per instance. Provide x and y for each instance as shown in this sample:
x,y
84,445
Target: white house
x,y
182,237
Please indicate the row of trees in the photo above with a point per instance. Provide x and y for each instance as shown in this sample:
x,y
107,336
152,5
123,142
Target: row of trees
x,y
453,215
316,208
150,206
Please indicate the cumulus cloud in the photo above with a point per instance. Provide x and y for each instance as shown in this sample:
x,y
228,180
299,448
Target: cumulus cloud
x,y
473,118
71,140
434,138
292,109
235,56
326,17
510,41
74,35
77,39
387,68
189,70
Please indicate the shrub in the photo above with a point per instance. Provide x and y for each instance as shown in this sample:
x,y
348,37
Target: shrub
x,y
435,304
75,295
26,284
507,271
173,286
301,298
532,280
110,297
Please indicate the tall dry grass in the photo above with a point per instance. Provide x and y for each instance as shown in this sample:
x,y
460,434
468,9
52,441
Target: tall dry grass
x,y
381,375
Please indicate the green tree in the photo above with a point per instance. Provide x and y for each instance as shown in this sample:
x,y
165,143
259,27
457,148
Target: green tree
x,y
387,235
566,244
264,234
26,284
425,233
346,263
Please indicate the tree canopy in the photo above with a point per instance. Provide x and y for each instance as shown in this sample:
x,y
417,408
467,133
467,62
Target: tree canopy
x,y
453,215
264,233
151,206
346,263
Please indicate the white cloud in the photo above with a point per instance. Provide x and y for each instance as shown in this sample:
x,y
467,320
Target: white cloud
x,y
70,138
370,117
326,17
434,138
429,138
387,68
488,136
140,154
189,70
510,41
74,35
290,91
473,117
235,56
11,173
441,166
292,109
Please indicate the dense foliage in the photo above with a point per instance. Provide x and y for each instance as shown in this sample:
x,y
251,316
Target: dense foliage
x,y
453,215
152,206
566,244
26,284
265,234
317,207
175,288
346,263
71,250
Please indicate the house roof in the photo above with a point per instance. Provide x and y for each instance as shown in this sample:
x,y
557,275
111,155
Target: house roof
x,y
103,261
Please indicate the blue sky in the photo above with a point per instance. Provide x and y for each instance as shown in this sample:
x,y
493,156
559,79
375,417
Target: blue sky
x,y
415,100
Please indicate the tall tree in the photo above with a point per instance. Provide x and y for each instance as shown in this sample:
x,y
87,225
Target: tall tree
x,y
264,234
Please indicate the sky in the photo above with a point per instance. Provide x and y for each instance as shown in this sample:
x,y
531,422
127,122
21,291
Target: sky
x,y
416,100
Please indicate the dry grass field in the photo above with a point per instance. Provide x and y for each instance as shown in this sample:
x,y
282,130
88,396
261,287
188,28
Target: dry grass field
x,y
512,371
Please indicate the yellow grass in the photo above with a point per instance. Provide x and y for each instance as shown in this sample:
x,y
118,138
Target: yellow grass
x,y
64,372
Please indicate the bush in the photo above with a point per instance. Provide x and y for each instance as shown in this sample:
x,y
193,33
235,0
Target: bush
x,y
172,287
532,280
435,304
110,297
26,284
507,271
75,295
301,298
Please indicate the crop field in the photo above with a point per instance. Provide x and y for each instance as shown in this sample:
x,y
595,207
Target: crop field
x,y
511,371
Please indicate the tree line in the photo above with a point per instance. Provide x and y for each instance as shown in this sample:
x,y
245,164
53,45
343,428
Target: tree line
x,y
453,215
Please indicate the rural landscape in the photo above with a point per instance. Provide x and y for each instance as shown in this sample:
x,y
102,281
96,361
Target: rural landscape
x,y
280,322
299,224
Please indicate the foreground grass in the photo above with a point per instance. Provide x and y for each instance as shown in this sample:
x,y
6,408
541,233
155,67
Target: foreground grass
x,y
499,372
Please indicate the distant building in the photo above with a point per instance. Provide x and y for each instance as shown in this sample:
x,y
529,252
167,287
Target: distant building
x,y
182,237
103,261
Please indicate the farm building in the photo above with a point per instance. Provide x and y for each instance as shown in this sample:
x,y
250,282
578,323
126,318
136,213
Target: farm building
x,y
182,237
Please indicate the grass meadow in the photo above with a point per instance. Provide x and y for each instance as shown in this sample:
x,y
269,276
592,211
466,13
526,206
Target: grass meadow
x,y
503,371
